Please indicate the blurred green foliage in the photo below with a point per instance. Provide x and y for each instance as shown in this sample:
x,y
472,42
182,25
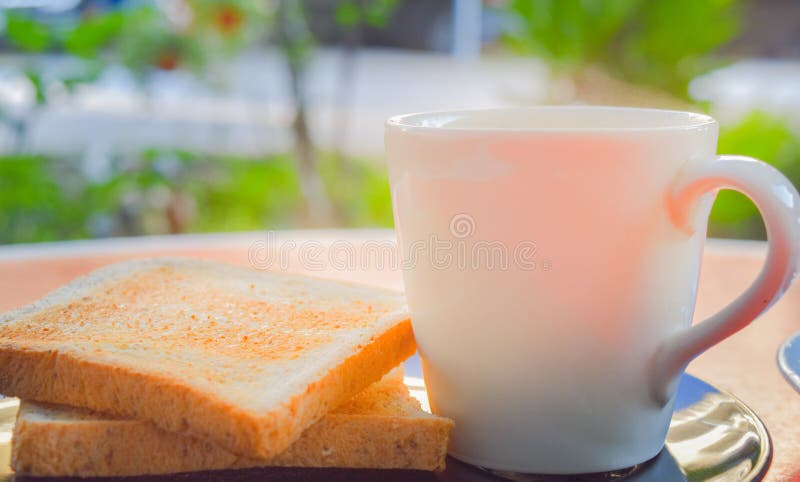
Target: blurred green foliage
x,y
32,202
141,37
663,43
198,193
375,13
297,41
764,137
360,190
43,199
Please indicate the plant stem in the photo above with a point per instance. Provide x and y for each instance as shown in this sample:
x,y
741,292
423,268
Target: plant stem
x,y
295,40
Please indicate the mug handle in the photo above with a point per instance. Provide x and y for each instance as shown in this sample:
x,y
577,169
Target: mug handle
x,y
779,204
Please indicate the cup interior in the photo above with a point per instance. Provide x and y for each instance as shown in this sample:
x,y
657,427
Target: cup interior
x,y
553,118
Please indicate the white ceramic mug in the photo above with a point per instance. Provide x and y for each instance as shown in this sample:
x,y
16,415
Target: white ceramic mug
x,y
564,357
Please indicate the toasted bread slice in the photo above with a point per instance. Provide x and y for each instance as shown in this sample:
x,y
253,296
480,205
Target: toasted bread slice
x,y
381,427
245,359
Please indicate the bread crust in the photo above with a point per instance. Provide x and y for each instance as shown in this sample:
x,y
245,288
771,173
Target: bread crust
x,y
35,370
385,429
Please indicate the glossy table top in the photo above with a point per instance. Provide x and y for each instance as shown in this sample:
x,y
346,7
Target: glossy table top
x,y
745,364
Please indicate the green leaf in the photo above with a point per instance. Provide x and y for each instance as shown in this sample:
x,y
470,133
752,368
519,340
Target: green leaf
x,y
93,33
27,33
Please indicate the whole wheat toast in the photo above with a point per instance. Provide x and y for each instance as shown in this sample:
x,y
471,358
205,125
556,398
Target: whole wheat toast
x,y
245,359
381,427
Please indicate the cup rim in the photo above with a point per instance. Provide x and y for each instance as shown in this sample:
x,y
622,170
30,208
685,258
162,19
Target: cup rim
x,y
437,121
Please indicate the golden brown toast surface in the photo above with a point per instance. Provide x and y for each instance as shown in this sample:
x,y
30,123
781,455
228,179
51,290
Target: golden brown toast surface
x,y
247,359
